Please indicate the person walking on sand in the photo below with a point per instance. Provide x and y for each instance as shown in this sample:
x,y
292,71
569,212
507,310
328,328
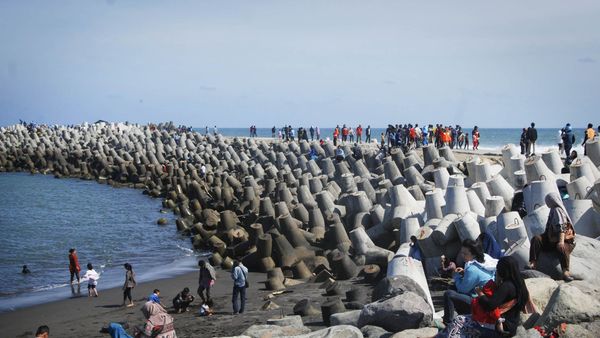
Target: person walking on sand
x,y
129,284
239,274
206,279
92,276
74,267
476,137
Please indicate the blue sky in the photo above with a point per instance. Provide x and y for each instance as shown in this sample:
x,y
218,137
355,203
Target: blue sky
x,y
236,63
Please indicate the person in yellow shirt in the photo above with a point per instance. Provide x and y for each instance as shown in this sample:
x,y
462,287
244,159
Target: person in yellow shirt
x,y
589,134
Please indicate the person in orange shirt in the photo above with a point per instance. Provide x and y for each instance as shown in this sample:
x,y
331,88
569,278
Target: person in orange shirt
x,y
359,133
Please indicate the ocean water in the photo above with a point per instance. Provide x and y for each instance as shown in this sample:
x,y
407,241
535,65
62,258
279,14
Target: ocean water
x,y
42,217
492,139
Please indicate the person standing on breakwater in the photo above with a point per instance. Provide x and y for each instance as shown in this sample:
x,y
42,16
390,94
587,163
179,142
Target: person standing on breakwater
x,y
129,284
92,276
589,134
531,138
74,267
239,274
568,140
523,141
368,134
318,133
206,279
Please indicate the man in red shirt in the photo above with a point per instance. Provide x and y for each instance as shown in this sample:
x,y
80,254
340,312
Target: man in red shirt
x,y
359,134
344,133
74,265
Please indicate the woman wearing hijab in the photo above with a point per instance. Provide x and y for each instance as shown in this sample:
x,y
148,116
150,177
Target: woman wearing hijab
x,y
558,237
158,324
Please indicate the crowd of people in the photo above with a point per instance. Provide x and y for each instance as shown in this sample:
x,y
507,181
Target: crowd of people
x,y
488,292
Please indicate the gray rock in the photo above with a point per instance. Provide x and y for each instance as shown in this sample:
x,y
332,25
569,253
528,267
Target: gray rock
x,y
262,331
405,311
340,331
392,286
345,318
569,304
524,333
533,274
424,332
540,290
585,264
372,331
295,321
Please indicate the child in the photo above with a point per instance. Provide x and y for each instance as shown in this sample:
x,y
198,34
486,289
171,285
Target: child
x,y
92,276
467,141
154,297
493,318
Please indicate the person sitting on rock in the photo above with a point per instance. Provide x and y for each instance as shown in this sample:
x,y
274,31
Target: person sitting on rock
x,y
559,236
478,269
339,154
447,267
495,311
489,245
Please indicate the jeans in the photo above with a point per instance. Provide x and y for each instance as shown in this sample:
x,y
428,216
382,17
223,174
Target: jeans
x,y
241,290
452,300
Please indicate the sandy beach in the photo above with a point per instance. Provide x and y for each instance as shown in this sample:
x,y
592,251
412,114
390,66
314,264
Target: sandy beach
x,y
83,316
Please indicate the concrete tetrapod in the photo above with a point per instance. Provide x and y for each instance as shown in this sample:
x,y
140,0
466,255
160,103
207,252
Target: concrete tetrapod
x,y
363,245
402,265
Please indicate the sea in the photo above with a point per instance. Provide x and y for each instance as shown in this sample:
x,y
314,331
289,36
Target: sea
x,y
43,217
492,139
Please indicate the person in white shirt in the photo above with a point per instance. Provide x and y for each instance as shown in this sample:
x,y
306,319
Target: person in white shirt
x,y
92,276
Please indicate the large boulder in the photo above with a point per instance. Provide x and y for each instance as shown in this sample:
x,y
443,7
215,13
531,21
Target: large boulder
x,y
345,318
372,331
417,333
585,264
583,330
295,321
395,285
404,311
268,331
340,331
540,290
571,305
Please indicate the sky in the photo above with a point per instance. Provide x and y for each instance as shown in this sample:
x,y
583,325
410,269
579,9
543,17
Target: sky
x,y
239,63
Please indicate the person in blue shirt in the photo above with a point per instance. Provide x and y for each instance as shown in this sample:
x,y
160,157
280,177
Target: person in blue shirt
x,y
415,250
477,271
239,274
154,297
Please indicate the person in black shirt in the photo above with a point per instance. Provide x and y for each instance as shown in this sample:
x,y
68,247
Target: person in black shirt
x,y
531,137
510,286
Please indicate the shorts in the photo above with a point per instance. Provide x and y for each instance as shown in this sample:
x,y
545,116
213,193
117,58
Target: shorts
x,y
91,286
